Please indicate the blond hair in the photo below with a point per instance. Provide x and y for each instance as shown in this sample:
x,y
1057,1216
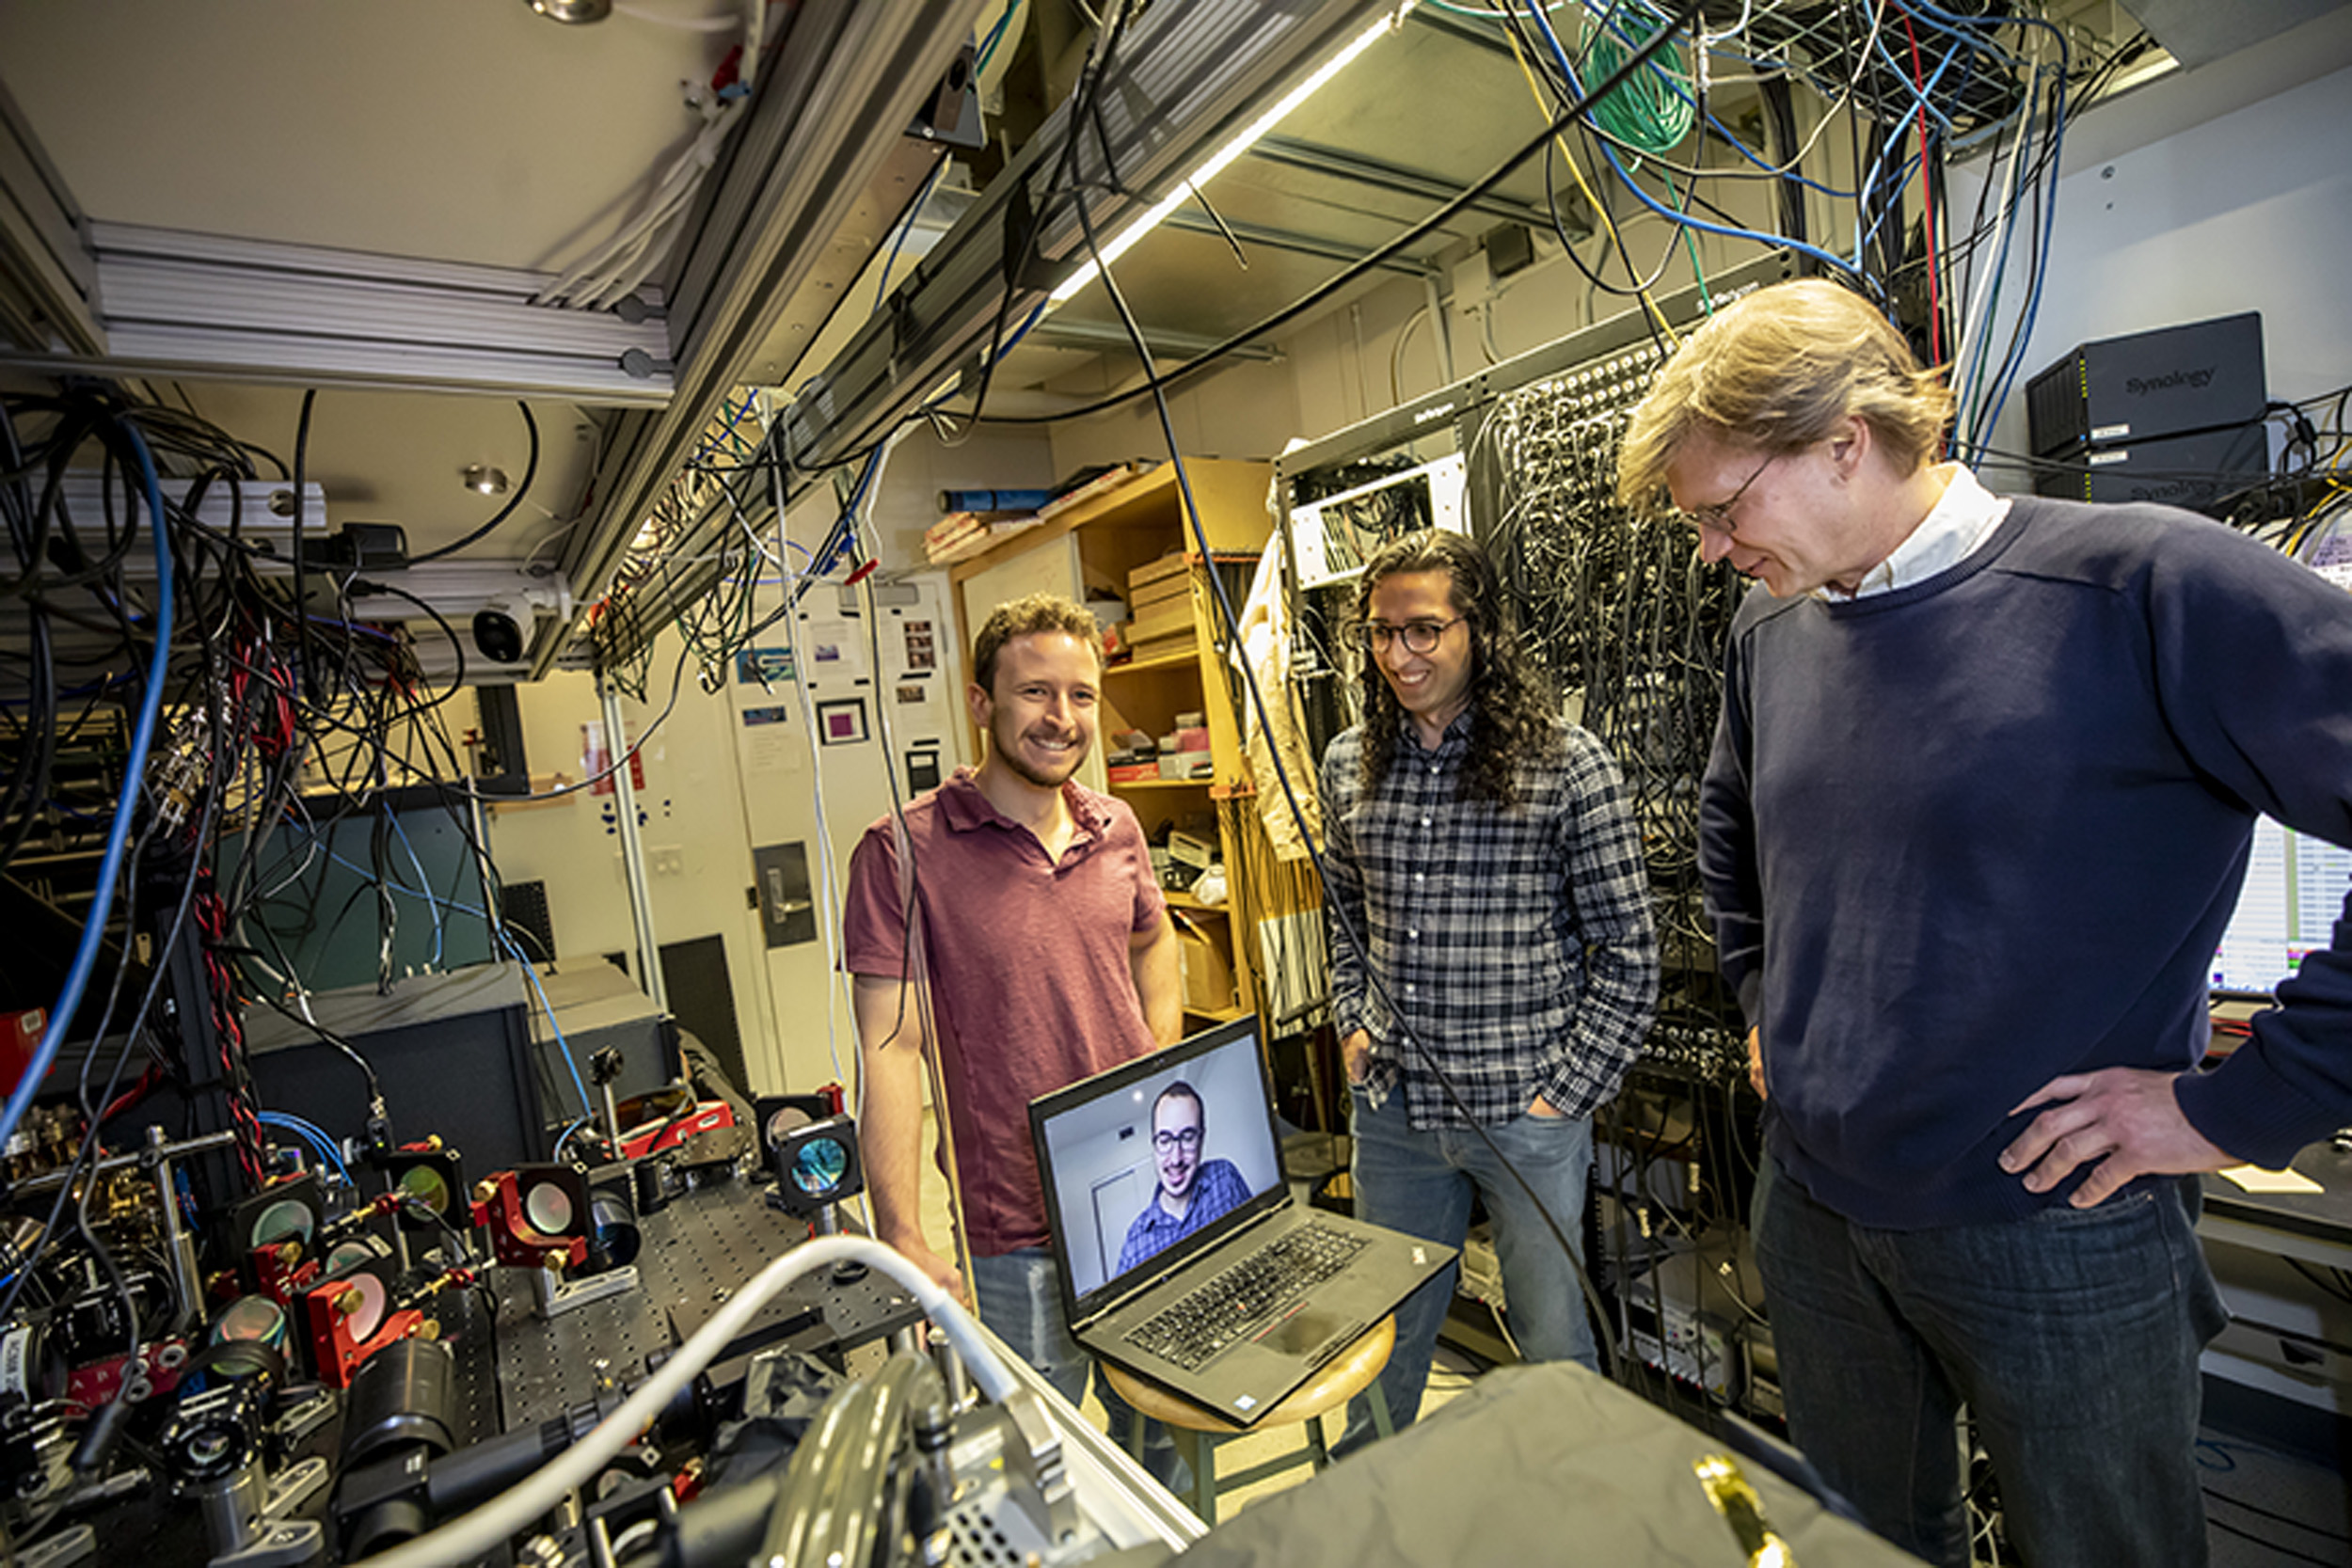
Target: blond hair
x,y
1023,617
1778,372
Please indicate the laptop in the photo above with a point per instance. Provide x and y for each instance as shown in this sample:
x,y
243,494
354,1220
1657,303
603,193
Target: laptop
x,y
1185,1259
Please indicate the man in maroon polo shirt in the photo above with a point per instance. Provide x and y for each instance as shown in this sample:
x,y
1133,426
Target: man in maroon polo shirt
x,y
1022,908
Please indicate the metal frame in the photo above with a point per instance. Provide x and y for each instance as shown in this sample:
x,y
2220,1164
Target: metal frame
x,y
827,134
1185,77
179,304
48,285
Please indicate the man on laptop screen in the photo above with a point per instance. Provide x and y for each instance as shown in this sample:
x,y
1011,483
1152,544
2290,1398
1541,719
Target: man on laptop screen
x,y
1191,1193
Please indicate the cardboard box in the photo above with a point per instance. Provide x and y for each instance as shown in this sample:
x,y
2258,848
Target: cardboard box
x,y
1208,978
1169,618
1145,595
1169,565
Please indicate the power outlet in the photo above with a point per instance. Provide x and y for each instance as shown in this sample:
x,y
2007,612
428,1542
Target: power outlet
x,y
666,859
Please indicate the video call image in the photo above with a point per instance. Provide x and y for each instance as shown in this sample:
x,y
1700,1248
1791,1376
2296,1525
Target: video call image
x,y
1159,1160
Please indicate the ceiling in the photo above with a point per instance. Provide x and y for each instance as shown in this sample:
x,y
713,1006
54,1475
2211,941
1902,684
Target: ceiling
x,y
363,198
448,130
271,198
389,184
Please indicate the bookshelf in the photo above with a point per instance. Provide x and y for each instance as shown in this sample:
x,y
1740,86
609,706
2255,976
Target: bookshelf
x,y
1095,547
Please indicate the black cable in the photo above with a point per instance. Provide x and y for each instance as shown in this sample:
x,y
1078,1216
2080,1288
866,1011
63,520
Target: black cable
x,y
2273,1514
1230,625
2228,1528
1635,62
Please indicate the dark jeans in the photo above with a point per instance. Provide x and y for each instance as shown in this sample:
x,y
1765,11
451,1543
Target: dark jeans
x,y
1421,1183
2072,1337
1019,1295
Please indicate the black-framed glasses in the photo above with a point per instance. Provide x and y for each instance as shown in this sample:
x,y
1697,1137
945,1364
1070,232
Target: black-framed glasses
x,y
1717,518
1167,1142
1421,637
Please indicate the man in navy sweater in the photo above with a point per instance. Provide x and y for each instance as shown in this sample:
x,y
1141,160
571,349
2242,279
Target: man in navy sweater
x,y
1978,809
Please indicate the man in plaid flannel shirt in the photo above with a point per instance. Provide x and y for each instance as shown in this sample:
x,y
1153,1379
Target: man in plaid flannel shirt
x,y
1494,965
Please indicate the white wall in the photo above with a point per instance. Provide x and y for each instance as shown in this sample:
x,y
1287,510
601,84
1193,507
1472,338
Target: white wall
x,y
735,768
1245,411
995,458
690,817
2250,209
1347,363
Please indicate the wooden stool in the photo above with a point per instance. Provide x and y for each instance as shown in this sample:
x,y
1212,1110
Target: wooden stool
x,y
1353,1371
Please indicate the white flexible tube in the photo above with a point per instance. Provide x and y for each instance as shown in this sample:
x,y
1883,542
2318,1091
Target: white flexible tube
x,y
516,1509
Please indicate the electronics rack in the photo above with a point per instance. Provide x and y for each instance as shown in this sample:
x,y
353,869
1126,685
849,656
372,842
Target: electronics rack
x,y
1565,405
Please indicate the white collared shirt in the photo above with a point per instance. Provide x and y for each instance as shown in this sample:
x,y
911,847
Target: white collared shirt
x,y
1949,535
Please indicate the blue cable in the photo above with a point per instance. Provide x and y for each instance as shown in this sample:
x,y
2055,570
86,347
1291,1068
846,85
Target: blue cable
x,y
1777,241
118,839
301,1124
430,902
1007,346
1790,175
318,1152
587,1105
320,1144
1560,55
2014,362
844,532
1908,167
914,209
995,34
566,1137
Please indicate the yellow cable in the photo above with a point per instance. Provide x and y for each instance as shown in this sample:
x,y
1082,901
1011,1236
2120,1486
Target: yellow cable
x,y
1594,202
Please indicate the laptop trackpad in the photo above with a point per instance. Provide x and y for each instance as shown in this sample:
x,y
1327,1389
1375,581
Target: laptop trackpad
x,y
1313,1335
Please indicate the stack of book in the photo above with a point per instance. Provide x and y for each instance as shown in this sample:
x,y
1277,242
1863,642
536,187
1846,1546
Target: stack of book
x,y
1159,598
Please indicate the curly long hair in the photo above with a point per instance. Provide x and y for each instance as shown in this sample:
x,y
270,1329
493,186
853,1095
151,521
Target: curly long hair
x,y
1511,705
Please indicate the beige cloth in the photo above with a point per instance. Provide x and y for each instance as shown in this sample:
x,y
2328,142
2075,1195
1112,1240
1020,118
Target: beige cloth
x,y
1264,651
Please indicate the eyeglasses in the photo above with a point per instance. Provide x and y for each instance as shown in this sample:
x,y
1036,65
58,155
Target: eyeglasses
x,y
1717,518
1421,637
1167,1143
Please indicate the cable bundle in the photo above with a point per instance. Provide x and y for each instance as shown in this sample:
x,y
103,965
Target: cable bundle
x,y
1631,624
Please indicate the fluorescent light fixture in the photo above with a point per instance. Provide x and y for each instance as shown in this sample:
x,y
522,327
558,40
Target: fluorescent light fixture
x,y
1158,211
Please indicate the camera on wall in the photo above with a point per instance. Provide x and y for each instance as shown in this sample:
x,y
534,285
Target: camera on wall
x,y
502,628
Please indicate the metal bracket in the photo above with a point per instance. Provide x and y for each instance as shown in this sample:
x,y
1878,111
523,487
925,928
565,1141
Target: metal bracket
x,y
286,1545
553,1296
1033,1454
65,1548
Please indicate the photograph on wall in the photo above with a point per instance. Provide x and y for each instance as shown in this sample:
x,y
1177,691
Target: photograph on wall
x,y
836,648
912,694
763,666
922,647
843,722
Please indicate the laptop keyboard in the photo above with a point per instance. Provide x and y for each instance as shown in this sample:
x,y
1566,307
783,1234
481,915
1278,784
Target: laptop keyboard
x,y
1237,1300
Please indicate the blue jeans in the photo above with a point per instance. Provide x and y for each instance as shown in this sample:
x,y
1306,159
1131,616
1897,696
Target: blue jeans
x,y
2072,1337
1019,1295
1421,1183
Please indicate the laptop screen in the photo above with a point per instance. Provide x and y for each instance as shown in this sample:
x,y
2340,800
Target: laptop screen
x,y
1157,1160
